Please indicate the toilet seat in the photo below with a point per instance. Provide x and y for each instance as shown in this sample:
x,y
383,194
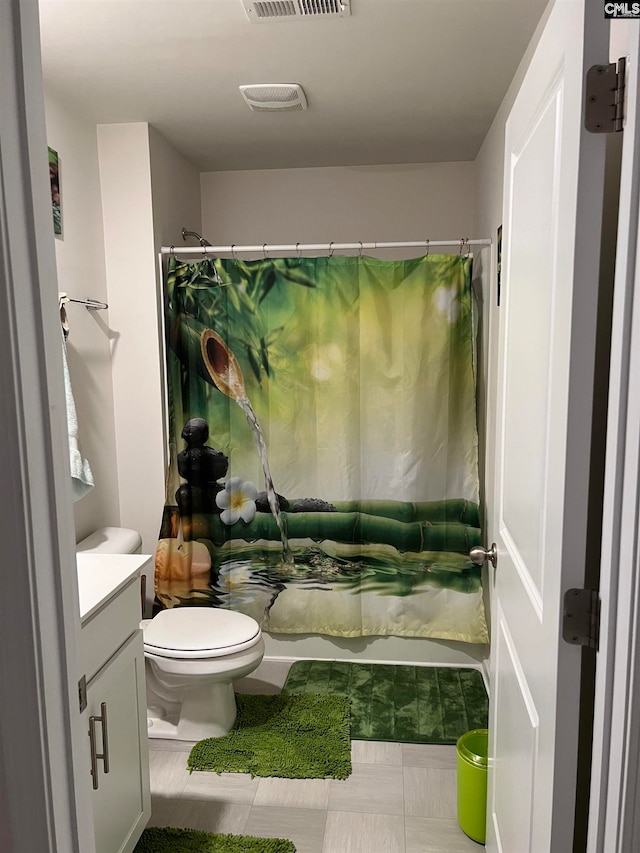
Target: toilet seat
x,y
184,633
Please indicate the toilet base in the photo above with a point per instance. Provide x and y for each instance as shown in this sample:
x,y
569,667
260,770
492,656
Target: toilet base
x,y
193,699
205,712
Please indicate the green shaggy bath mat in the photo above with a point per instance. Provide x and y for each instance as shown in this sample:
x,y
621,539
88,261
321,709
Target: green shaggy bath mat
x,y
294,737
409,704
169,840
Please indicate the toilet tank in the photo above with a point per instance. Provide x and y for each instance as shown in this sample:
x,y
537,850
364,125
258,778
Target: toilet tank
x,y
112,540
121,540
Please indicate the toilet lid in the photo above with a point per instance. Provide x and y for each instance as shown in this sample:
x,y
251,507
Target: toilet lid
x,y
199,632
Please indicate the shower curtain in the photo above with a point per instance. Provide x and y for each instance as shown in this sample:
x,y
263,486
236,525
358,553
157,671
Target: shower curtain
x,y
361,375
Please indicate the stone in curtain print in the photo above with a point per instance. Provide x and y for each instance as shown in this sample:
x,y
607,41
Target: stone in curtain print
x,y
202,467
361,375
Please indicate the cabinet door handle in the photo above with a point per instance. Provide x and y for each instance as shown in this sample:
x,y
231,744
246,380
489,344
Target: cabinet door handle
x,y
95,755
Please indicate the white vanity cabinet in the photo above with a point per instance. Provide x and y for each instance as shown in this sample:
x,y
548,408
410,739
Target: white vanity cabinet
x,y
116,714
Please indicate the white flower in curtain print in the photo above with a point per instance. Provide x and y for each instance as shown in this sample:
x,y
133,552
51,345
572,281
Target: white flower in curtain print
x,y
237,500
446,301
234,577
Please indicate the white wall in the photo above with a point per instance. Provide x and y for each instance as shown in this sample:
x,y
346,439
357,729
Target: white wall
x,y
175,190
148,192
116,213
414,202
128,232
81,273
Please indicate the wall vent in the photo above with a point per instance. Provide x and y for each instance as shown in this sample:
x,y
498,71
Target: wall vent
x,y
274,97
263,11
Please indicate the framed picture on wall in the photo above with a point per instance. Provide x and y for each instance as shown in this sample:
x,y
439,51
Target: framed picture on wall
x,y
56,205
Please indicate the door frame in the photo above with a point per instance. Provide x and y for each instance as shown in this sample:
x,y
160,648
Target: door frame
x,y
44,792
615,787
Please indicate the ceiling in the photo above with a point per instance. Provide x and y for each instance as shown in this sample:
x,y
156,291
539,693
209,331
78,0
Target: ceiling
x,y
400,81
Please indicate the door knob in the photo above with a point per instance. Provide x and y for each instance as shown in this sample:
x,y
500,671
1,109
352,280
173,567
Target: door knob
x,y
480,555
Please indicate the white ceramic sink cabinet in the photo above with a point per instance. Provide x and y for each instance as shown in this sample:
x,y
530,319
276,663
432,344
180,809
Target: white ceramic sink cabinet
x,y
116,713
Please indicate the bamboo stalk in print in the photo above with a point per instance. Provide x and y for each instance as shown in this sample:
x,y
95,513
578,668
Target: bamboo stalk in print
x,y
343,527
459,510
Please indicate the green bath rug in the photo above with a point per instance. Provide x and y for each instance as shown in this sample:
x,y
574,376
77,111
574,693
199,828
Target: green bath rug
x,y
168,840
408,704
294,737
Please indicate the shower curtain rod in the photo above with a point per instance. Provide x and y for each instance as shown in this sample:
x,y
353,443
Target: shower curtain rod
x,y
271,248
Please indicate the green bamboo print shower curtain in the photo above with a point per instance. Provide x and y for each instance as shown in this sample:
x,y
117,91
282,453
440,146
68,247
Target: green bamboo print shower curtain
x,y
361,375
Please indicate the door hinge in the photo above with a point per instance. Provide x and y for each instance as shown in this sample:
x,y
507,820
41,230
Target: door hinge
x,y
604,109
82,693
581,617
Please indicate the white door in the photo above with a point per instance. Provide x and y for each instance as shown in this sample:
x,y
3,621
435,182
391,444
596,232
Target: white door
x,y
615,779
547,320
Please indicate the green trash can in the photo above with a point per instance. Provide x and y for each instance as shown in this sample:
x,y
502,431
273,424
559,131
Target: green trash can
x,y
472,750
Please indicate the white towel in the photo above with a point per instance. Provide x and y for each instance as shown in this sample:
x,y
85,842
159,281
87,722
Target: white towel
x,y
81,476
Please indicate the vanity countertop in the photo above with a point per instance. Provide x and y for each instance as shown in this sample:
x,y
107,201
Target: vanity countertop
x,y
100,576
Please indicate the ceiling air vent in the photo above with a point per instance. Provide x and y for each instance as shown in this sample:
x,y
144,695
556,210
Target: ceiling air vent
x,y
274,97
263,11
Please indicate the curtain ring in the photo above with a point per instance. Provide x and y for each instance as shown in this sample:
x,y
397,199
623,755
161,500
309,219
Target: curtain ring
x,y
264,251
361,248
331,249
298,249
171,251
233,252
426,248
464,241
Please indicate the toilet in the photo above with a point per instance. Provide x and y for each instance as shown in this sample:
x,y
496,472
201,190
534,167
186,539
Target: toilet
x,y
112,540
192,657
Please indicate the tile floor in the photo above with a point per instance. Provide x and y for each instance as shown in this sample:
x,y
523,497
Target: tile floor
x,y
400,798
